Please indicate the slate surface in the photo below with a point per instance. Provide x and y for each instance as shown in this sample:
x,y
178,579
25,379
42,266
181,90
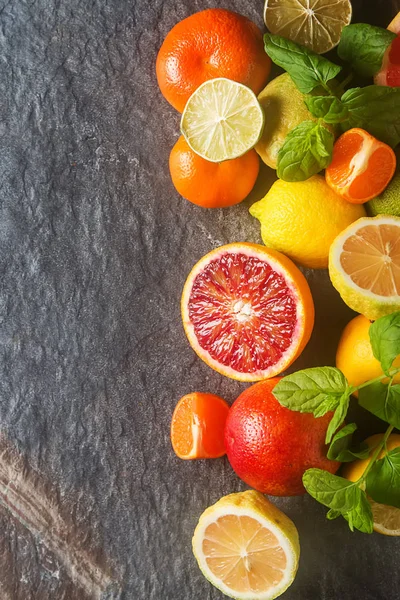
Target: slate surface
x,y
95,245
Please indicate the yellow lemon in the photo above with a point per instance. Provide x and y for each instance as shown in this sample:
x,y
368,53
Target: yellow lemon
x,y
247,547
302,219
354,356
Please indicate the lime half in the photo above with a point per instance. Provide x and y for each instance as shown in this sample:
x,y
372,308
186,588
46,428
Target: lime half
x,y
316,24
222,120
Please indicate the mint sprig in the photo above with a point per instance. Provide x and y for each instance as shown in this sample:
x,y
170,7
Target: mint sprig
x,y
307,149
322,389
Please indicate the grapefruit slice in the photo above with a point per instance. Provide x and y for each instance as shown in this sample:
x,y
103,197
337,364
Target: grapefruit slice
x,y
247,311
247,547
197,426
361,166
364,265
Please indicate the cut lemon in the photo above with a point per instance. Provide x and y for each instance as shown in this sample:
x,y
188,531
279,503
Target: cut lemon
x,y
247,547
316,24
386,518
364,265
222,120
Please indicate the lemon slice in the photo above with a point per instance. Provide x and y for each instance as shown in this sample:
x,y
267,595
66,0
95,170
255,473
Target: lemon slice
x,y
222,120
386,519
247,547
316,24
364,265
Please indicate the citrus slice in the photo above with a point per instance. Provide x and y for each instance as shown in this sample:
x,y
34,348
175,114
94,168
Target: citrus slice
x,y
364,265
222,120
361,166
386,518
394,25
197,426
389,73
316,24
246,547
247,311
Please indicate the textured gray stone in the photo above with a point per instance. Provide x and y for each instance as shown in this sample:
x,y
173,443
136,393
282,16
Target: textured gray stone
x,y
95,245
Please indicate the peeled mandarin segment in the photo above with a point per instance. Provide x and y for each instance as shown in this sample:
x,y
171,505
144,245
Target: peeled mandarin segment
x,y
361,166
197,428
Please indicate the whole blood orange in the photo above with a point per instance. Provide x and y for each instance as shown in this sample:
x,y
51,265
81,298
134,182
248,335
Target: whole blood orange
x,y
270,446
208,184
197,426
247,311
211,43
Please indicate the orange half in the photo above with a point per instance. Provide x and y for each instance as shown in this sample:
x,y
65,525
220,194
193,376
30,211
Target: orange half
x,y
247,311
361,166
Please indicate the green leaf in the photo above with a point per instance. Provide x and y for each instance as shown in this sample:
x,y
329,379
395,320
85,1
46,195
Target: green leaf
x,y
383,480
328,108
317,390
333,514
385,339
382,400
341,496
306,151
340,446
363,47
338,417
374,108
307,69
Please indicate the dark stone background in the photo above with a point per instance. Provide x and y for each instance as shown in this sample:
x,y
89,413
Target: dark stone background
x,y
95,245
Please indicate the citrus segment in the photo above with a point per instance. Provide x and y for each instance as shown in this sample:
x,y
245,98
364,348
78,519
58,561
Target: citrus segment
x,y
222,120
197,426
208,44
361,166
316,24
247,311
212,185
247,547
364,266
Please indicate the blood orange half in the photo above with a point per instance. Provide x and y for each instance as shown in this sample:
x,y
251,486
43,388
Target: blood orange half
x,y
247,311
390,71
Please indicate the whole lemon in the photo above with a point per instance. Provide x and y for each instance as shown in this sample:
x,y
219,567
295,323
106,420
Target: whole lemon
x,y
302,219
354,356
284,109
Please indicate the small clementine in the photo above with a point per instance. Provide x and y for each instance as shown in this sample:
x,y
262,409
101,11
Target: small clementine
x,y
208,184
211,43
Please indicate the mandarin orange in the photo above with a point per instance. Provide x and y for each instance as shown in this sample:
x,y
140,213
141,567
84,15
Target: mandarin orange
x,y
208,184
209,44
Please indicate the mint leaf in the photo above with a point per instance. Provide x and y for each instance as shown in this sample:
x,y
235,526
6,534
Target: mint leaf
x,y
340,446
338,417
317,390
333,514
307,69
341,496
328,108
383,480
363,47
385,339
382,400
306,151
374,108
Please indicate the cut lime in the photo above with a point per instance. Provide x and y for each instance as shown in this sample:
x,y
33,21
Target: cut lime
x,y
316,24
222,120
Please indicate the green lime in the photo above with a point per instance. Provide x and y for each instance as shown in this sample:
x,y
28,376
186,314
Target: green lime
x,y
388,203
222,120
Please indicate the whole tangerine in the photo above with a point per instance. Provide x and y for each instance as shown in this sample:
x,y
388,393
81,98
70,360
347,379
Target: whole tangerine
x,y
208,184
208,44
270,446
